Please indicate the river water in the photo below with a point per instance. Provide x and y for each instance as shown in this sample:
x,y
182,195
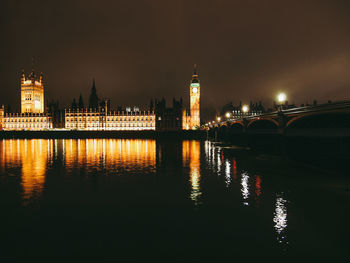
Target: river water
x,y
169,201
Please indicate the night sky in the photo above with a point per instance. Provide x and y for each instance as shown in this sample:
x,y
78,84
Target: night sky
x,y
246,50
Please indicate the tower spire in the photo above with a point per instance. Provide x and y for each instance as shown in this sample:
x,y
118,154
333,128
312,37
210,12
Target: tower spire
x,y
195,69
23,77
195,74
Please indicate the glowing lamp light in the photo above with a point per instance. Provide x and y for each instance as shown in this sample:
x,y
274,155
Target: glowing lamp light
x,y
219,119
245,108
281,98
228,115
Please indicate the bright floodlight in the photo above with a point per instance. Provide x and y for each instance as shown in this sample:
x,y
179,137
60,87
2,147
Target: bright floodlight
x,y
218,118
281,97
245,108
228,115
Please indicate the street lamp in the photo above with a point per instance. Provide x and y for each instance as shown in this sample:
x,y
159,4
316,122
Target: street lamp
x,y
228,115
219,119
281,98
245,109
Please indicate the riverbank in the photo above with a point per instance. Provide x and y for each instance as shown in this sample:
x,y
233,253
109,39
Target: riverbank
x,y
62,134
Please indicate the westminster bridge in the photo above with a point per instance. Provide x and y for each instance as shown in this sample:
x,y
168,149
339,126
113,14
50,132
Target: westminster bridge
x,y
317,130
331,119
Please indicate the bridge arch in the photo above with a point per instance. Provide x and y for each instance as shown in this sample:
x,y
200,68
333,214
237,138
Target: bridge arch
x,y
320,120
263,123
223,124
236,127
236,123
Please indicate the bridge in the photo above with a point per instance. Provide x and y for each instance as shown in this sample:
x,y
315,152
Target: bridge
x,y
330,119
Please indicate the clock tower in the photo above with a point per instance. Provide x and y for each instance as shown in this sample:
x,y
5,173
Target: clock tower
x,y
195,100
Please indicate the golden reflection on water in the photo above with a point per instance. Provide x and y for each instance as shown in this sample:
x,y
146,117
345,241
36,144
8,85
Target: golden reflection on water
x,y
32,156
191,158
109,153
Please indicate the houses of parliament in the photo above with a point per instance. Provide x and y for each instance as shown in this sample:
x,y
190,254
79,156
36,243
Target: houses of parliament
x,y
35,117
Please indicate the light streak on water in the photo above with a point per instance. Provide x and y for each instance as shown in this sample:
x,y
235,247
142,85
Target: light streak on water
x,y
227,173
280,219
245,188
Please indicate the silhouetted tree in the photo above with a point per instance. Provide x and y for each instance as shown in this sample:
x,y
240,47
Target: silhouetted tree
x,y
93,100
81,102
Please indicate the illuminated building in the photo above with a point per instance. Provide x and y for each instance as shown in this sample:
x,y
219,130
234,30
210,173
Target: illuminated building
x,y
192,120
32,93
27,121
32,116
101,119
2,112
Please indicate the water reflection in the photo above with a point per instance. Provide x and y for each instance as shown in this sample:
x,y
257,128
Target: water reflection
x,y
32,156
111,155
218,158
191,157
234,170
245,188
258,191
280,219
227,173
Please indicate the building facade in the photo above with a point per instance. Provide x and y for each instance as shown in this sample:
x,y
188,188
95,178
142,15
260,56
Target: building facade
x,y
27,121
192,119
2,113
32,93
101,119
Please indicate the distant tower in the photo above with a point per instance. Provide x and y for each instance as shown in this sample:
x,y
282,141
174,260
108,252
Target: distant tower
x,y
32,93
195,100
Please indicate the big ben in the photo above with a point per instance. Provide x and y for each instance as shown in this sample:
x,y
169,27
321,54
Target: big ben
x,y
195,100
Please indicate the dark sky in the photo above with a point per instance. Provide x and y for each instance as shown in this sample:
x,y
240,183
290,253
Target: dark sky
x,y
138,49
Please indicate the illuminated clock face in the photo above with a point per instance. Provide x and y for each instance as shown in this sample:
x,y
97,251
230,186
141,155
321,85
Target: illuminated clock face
x,y
195,90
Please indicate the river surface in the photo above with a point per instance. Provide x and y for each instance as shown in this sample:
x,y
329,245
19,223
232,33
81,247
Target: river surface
x,y
177,201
